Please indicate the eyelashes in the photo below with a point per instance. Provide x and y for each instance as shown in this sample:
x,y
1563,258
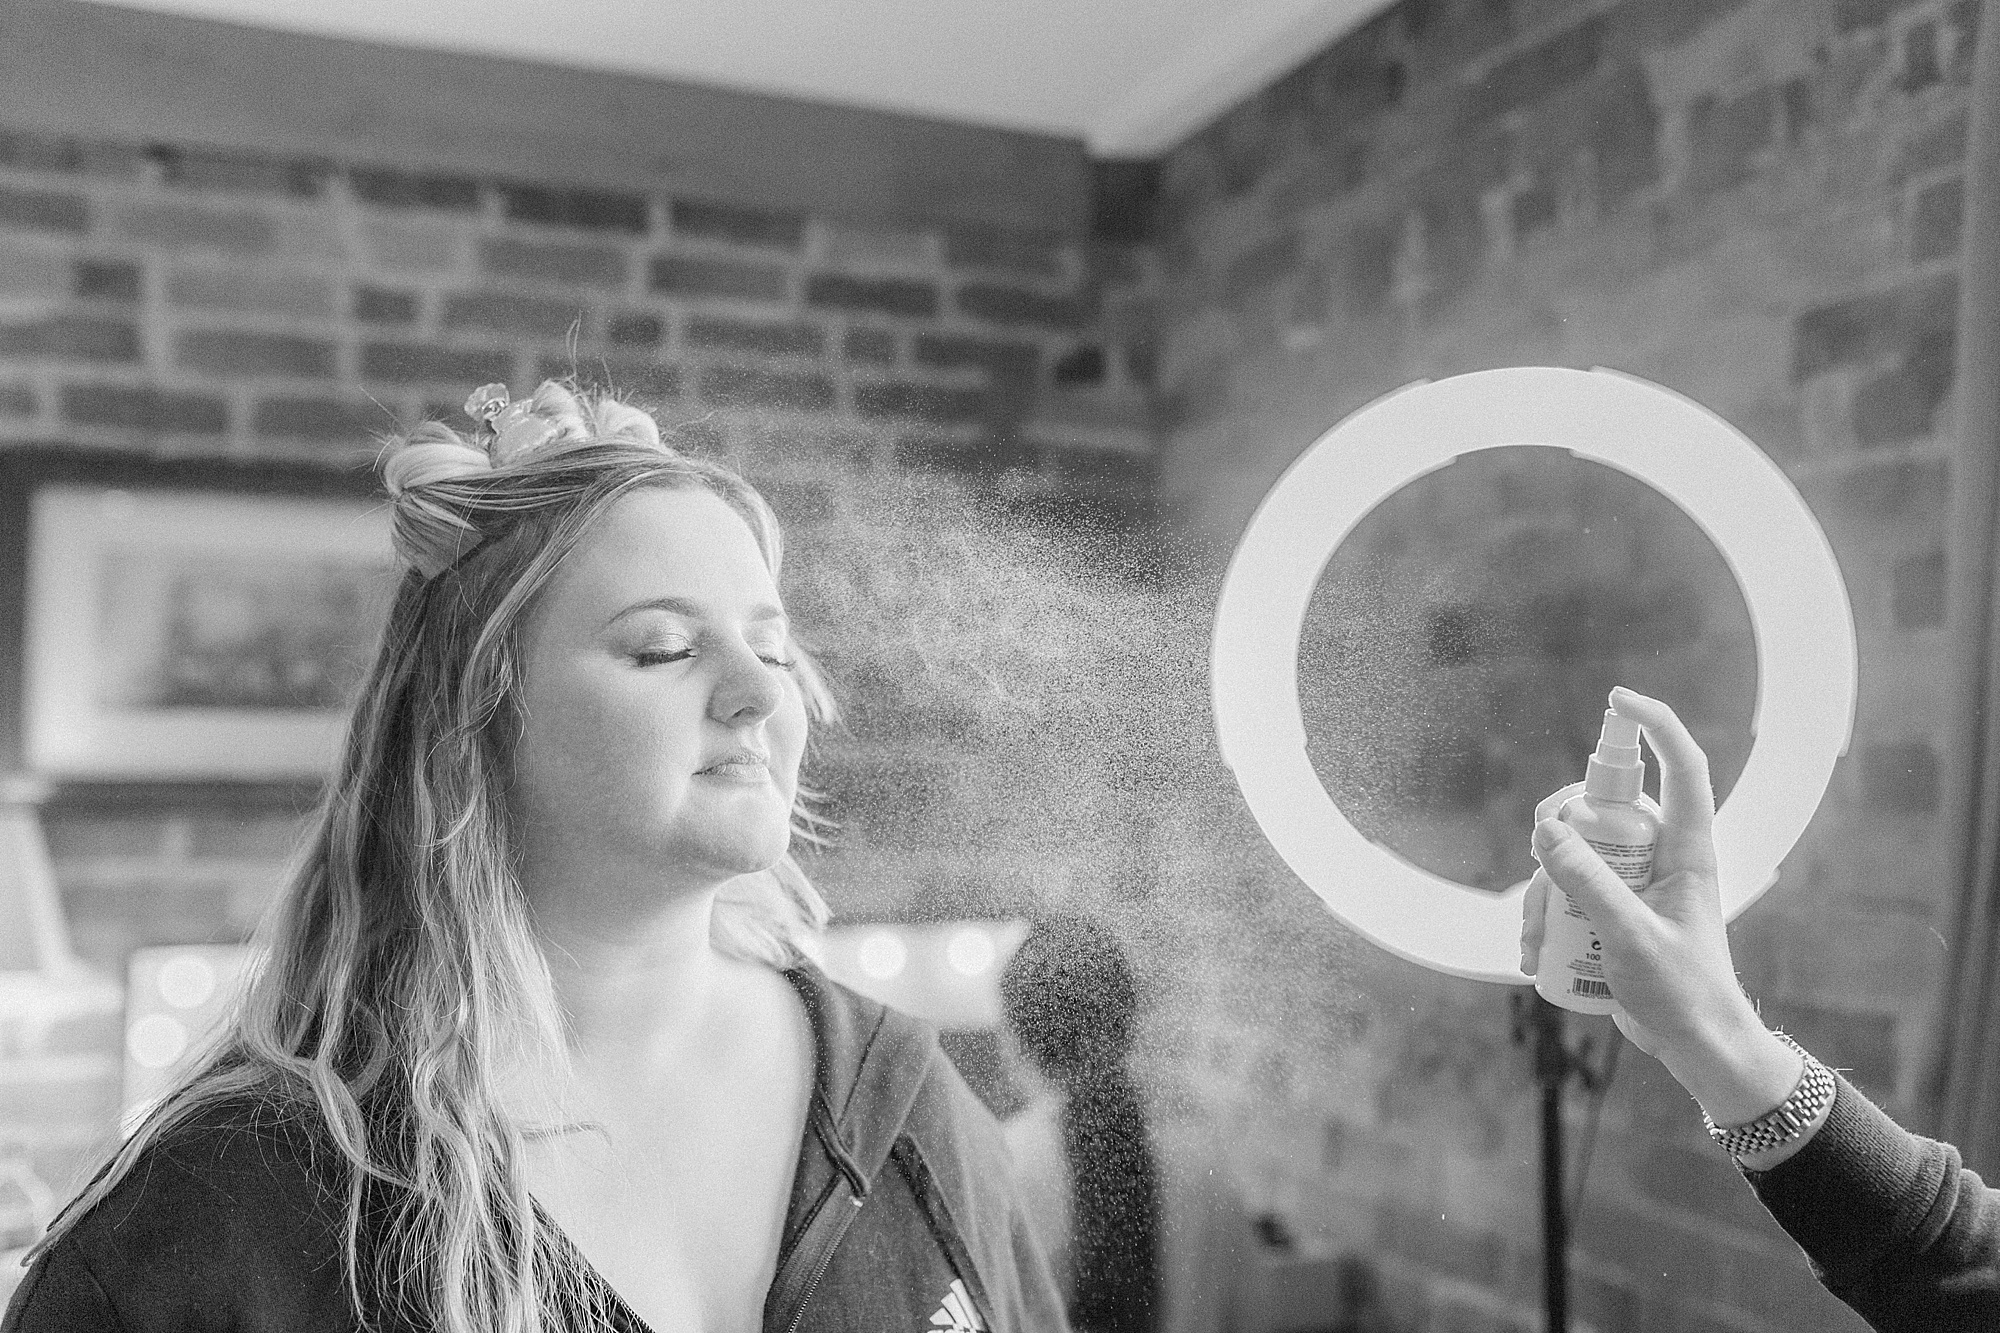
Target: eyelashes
x,y
664,657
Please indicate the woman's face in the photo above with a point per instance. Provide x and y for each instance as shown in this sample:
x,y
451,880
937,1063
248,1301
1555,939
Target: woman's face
x,y
661,725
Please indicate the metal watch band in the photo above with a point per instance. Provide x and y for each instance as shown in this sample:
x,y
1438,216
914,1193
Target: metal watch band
x,y
1788,1119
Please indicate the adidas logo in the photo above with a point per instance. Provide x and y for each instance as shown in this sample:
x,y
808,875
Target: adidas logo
x,y
957,1314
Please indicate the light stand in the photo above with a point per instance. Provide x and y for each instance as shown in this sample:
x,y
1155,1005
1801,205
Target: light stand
x,y
1539,1026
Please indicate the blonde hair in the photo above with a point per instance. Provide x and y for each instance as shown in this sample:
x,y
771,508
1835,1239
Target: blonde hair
x,y
399,970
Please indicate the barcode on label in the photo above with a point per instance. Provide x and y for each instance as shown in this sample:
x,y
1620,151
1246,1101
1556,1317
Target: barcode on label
x,y
1597,990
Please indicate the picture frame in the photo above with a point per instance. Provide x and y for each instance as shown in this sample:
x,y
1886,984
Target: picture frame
x,y
184,622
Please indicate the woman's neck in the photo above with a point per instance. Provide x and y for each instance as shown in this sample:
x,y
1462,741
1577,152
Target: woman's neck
x,y
635,982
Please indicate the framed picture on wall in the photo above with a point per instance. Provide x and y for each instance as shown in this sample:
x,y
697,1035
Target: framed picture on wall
x,y
192,632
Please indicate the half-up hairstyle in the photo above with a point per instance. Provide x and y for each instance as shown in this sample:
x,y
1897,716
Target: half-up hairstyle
x,y
399,974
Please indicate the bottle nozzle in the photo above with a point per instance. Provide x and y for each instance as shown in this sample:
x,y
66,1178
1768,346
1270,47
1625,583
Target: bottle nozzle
x,y
1615,772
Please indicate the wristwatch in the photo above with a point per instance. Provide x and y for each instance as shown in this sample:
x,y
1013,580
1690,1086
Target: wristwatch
x,y
1788,1119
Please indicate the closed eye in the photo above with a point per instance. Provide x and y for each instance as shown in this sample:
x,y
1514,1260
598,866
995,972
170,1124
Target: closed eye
x,y
664,657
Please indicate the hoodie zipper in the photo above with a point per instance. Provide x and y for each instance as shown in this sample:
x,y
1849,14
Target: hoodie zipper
x,y
829,1222
842,1220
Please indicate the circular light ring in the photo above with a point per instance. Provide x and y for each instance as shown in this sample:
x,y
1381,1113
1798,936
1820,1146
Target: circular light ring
x,y
1802,624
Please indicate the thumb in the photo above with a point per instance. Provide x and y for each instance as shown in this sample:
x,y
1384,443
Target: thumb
x,y
1581,873
1534,920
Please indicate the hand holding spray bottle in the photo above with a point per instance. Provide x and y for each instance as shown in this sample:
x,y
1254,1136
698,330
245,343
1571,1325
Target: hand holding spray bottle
x,y
1621,824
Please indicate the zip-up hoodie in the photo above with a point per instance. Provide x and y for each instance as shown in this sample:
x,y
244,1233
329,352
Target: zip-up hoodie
x,y
902,1217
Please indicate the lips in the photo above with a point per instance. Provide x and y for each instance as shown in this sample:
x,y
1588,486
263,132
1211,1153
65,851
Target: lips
x,y
740,764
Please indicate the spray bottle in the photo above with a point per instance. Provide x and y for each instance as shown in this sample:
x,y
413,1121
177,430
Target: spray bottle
x,y
1617,822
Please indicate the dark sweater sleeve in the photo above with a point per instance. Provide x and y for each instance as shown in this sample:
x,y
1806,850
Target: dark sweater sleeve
x,y
60,1295
229,1222
1893,1223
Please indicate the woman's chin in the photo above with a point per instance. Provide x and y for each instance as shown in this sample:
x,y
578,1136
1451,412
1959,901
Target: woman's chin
x,y
751,832
748,855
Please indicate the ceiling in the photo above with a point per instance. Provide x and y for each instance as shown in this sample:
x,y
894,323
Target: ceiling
x,y
1129,77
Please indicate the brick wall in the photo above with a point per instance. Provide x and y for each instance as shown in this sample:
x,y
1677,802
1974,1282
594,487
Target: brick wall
x,y
966,401
1756,203
168,296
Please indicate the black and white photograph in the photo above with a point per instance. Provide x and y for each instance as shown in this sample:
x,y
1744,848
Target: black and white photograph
x,y
1156,666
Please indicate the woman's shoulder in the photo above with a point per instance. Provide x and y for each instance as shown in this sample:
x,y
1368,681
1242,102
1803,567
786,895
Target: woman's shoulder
x,y
233,1204
237,1152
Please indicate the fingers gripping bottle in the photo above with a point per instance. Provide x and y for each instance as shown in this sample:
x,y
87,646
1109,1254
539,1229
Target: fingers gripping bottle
x,y
1608,813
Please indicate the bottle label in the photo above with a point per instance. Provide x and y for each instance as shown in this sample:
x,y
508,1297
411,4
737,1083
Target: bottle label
x,y
1631,862
1587,961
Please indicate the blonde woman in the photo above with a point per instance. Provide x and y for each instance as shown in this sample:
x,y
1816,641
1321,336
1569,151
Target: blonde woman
x,y
536,1045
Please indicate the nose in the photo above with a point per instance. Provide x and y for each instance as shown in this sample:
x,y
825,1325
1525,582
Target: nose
x,y
748,691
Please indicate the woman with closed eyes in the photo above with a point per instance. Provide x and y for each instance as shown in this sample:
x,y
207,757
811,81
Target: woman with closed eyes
x,y
535,1044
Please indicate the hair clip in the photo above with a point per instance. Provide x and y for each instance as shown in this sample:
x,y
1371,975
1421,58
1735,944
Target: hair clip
x,y
487,402
514,428
507,415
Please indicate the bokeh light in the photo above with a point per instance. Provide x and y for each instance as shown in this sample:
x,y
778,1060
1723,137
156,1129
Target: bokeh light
x,y
882,955
157,1040
970,951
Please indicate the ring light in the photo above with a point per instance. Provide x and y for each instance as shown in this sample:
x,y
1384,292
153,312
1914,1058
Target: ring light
x,y
1802,626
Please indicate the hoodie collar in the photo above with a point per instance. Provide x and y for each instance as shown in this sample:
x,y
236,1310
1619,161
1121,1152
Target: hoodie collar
x,y
870,1062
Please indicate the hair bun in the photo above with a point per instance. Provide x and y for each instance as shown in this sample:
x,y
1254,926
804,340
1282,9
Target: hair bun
x,y
431,531
427,462
427,535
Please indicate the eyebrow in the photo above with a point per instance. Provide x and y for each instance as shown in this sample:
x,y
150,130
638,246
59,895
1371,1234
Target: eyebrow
x,y
682,606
